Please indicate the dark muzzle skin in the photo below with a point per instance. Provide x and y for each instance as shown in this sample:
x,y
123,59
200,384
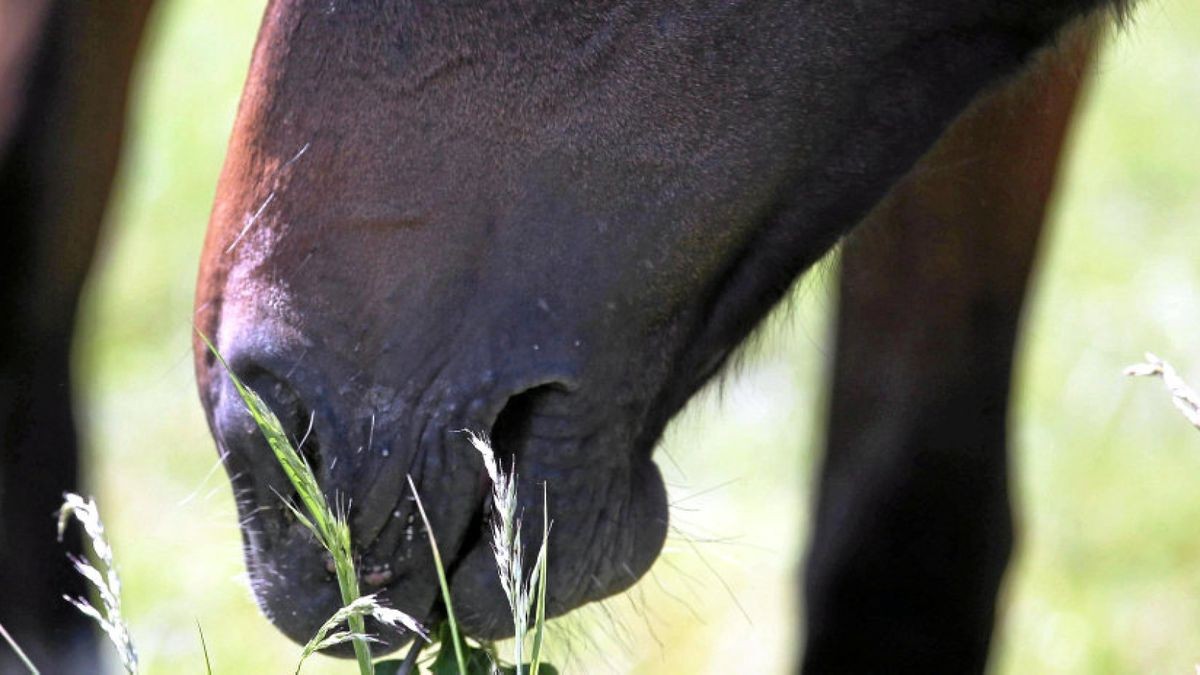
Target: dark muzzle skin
x,y
550,222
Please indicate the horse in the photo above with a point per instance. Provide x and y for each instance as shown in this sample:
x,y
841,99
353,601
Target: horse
x,y
554,223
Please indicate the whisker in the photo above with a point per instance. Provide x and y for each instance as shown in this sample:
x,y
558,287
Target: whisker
x,y
203,481
645,620
670,594
619,631
720,579
251,221
312,416
707,490
692,581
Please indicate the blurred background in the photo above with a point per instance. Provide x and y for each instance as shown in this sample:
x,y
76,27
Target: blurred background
x,y
1107,572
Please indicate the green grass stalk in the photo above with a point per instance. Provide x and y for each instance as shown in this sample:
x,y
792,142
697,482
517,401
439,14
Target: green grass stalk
x,y
330,528
539,619
455,637
204,646
18,651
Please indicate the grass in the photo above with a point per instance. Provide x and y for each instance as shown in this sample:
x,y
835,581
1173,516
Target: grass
x,y
108,616
103,577
104,580
524,594
520,590
18,651
204,648
443,584
329,525
1184,397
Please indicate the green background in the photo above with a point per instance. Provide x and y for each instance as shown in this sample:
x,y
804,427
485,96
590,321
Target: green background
x,y
1107,574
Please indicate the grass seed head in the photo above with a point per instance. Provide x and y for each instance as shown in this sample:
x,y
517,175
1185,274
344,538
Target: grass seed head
x,y
102,576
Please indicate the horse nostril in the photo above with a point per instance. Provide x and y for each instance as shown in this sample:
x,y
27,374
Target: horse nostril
x,y
283,400
240,435
516,420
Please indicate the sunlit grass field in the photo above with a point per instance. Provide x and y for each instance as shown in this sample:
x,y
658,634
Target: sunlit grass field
x,y
1107,576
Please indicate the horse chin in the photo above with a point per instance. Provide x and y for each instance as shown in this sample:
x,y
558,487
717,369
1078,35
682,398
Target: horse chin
x,y
603,537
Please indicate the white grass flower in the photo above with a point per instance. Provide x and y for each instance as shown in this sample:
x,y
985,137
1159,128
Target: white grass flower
x,y
1183,396
363,606
103,578
506,548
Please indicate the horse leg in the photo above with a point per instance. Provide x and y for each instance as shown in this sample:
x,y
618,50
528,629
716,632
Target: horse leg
x,y
913,529
58,154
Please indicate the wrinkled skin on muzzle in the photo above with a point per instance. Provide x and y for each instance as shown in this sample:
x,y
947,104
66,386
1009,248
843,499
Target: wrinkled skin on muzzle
x,y
550,222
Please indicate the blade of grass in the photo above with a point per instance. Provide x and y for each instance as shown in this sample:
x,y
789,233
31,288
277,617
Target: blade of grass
x,y
204,646
329,527
409,664
539,621
441,572
19,652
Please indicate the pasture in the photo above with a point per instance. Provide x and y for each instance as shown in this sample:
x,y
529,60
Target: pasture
x,y
1106,578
